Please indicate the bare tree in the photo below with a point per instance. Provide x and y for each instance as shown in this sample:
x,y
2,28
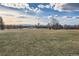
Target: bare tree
x,y
52,22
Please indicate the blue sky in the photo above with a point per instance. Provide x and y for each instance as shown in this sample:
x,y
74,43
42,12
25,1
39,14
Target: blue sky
x,y
28,13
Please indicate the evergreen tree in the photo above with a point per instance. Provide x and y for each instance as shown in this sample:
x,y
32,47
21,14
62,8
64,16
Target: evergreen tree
x,y
1,23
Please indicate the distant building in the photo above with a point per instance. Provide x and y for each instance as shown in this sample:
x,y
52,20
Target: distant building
x,y
1,23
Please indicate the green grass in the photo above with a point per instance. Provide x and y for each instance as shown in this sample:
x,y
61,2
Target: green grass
x,y
40,42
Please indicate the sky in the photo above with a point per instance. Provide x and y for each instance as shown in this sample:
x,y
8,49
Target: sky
x,y
31,13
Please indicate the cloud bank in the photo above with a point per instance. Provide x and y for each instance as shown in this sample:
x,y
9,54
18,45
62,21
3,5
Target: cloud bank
x,y
66,7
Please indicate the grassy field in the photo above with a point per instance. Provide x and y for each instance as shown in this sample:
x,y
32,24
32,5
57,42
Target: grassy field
x,y
40,42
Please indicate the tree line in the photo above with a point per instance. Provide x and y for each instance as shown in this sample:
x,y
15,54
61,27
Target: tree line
x,y
54,24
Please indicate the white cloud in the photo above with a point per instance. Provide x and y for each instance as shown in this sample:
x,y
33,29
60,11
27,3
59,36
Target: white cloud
x,y
15,5
66,7
31,10
41,6
57,6
44,6
39,11
49,17
34,11
25,6
13,17
64,17
69,20
47,6
77,17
